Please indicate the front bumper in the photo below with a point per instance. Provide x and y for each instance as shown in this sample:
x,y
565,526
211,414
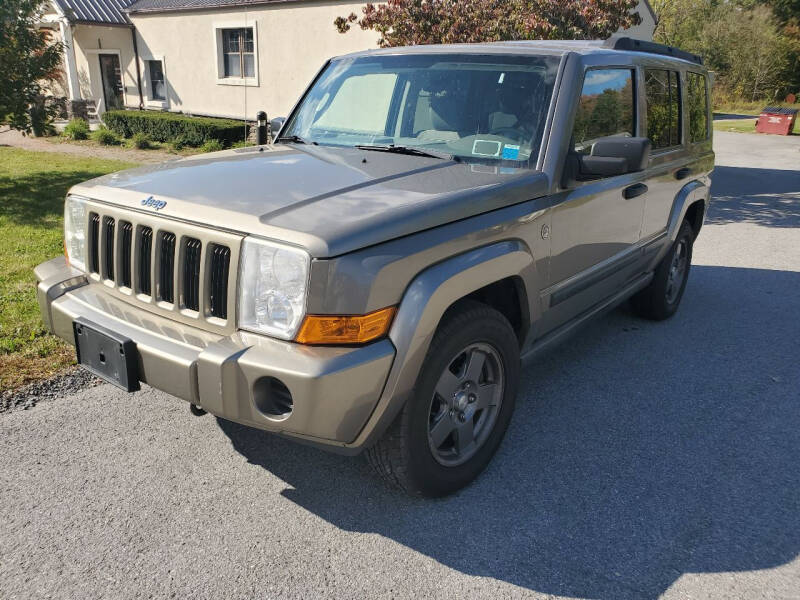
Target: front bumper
x,y
334,390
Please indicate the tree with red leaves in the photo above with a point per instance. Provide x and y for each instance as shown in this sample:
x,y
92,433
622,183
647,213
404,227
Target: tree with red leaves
x,y
411,22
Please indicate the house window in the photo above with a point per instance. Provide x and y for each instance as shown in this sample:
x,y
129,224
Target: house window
x,y
155,70
663,108
238,52
606,107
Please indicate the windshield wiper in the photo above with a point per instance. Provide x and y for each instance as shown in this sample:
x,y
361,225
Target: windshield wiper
x,y
295,139
410,150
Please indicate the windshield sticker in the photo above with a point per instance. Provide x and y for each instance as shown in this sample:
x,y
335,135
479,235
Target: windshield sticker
x,y
511,152
486,148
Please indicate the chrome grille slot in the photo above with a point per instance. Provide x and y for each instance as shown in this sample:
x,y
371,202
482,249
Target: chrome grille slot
x,y
108,246
145,259
191,273
94,243
166,267
125,253
218,287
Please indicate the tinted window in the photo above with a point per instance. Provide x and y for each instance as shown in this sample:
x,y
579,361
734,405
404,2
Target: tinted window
x,y
663,108
698,107
606,107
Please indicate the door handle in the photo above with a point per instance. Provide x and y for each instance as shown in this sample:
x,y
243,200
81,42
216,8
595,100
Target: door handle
x,y
683,173
637,189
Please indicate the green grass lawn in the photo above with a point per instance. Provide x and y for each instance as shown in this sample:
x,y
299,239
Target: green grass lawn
x,y
750,108
32,189
739,126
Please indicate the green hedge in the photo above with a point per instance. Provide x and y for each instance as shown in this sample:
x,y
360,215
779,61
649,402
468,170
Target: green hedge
x,y
164,126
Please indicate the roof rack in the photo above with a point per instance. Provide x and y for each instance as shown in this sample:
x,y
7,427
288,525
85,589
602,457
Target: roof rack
x,y
633,45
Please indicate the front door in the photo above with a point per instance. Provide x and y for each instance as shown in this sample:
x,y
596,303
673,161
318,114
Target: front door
x,y
111,75
595,228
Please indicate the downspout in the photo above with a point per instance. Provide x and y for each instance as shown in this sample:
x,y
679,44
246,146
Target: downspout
x,y
138,70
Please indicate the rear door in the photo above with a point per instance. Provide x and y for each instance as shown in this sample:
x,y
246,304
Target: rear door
x,y
669,169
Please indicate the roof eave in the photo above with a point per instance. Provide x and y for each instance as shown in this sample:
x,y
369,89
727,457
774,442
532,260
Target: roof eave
x,y
101,23
132,10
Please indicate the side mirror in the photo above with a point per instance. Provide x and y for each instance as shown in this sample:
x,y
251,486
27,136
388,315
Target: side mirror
x,y
633,150
609,156
276,124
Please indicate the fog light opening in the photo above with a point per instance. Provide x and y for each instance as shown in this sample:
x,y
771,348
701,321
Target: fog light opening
x,y
272,398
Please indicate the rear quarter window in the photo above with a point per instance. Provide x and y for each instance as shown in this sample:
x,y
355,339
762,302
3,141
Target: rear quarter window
x,y
697,109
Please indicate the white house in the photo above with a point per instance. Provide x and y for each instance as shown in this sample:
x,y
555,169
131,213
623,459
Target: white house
x,y
228,58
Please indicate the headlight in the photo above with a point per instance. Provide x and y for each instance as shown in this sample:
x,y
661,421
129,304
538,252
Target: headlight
x,y
75,232
273,281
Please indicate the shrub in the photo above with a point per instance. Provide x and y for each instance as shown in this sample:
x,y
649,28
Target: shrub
x,y
106,137
163,127
77,129
141,141
178,143
212,146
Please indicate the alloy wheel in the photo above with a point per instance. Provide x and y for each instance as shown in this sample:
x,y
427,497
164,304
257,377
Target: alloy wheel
x,y
465,404
677,270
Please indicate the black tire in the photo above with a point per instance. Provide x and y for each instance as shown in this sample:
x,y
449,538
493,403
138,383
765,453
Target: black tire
x,y
405,456
661,298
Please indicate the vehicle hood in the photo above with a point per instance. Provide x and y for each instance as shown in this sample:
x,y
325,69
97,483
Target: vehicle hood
x,y
329,200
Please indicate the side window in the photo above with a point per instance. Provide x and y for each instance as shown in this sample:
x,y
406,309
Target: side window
x,y
662,91
698,107
606,107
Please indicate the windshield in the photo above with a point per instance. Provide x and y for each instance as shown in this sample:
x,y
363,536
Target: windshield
x,y
476,108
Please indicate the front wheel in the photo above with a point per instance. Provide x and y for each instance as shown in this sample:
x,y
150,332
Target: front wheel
x,y
460,409
660,299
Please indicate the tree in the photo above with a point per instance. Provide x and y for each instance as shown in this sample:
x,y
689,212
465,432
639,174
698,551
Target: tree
x,y
755,54
28,57
749,51
411,22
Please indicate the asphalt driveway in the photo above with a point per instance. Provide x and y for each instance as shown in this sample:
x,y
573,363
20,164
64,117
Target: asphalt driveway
x,y
643,459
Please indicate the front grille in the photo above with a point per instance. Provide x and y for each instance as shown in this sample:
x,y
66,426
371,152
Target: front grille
x,y
94,243
180,270
126,247
218,290
145,257
166,268
108,240
191,273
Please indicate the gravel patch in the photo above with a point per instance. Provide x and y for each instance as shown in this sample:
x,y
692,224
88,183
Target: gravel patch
x,y
11,137
54,388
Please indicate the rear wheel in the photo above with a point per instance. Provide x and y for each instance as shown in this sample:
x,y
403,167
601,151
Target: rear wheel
x,y
460,409
660,299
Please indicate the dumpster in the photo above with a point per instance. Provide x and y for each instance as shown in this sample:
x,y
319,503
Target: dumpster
x,y
776,120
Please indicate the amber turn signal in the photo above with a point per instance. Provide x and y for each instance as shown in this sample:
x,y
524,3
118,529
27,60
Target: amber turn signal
x,y
345,329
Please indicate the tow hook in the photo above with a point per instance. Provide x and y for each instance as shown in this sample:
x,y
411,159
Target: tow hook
x,y
196,410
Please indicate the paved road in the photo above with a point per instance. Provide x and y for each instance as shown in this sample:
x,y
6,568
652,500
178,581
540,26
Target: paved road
x,y
643,459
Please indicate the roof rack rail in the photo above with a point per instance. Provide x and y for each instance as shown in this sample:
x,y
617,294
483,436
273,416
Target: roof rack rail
x,y
634,45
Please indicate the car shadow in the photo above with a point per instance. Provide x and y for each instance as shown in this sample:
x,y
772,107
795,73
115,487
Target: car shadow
x,y
769,197
638,452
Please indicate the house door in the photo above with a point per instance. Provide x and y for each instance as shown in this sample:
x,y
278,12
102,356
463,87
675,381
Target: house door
x,y
111,75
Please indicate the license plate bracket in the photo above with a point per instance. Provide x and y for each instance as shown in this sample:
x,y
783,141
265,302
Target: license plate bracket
x,y
107,354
